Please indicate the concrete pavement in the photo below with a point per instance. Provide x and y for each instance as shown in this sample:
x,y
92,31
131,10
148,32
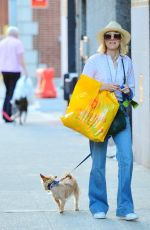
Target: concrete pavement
x,y
43,145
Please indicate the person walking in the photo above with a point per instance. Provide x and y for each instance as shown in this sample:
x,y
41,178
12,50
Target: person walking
x,y
11,65
109,66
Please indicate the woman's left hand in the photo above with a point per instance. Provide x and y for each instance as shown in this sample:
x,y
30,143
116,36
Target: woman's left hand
x,y
126,89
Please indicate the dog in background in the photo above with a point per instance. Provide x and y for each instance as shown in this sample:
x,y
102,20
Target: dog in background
x,y
20,109
62,189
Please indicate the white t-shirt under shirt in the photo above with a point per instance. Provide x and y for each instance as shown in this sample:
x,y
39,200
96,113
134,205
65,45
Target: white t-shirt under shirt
x,y
101,68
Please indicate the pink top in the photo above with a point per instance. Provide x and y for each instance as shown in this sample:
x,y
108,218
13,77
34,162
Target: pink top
x,y
10,48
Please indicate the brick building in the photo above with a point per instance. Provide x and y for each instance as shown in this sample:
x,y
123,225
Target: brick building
x,y
3,15
47,41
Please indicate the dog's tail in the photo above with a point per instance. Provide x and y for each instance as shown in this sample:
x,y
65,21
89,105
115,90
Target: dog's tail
x,y
68,175
77,190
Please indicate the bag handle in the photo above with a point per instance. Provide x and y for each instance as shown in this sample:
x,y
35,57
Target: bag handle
x,y
124,77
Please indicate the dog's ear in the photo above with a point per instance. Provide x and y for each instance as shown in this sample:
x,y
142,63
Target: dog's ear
x,y
43,177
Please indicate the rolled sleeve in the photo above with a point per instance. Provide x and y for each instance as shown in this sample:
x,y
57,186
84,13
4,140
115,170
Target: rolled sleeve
x,y
89,68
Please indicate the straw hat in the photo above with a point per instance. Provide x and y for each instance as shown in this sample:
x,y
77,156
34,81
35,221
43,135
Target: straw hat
x,y
114,26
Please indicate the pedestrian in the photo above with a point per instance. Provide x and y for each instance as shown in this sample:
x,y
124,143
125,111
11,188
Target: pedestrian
x,y
11,65
106,66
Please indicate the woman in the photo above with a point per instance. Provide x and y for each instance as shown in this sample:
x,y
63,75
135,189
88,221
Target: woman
x,y
11,65
108,68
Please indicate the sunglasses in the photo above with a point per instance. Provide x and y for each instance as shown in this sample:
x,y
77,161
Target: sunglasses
x,y
116,36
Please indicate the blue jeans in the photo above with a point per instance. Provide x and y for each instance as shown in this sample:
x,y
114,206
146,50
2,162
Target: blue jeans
x,y
97,183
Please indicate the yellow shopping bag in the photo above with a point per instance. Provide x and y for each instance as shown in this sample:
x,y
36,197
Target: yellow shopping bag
x,y
90,112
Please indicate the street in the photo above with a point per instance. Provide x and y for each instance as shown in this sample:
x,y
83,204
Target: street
x,y
44,145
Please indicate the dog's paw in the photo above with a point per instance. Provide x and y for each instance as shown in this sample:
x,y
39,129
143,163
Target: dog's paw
x,y
61,212
77,209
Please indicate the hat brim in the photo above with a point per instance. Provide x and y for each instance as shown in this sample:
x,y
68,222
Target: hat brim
x,y
125,34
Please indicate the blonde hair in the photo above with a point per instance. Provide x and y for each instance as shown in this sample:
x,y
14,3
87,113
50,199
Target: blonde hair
x,y
123,48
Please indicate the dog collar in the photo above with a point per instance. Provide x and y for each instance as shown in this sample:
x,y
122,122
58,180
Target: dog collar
x,y
51,185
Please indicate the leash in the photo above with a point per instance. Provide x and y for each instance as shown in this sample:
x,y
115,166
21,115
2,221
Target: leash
x,y
55,182
81,162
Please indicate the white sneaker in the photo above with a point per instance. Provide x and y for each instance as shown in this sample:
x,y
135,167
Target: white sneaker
x,y
130,216
99,215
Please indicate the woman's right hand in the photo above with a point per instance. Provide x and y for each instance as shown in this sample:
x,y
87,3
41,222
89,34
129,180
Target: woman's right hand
x,y
109,87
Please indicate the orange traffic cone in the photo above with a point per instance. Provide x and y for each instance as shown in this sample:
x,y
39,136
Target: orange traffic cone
x,y
45,87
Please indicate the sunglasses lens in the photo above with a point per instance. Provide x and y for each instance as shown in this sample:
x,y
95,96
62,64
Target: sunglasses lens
x,y
107,36
117,36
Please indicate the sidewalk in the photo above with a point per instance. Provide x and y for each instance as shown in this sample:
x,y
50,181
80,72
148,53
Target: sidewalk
x,y
44,146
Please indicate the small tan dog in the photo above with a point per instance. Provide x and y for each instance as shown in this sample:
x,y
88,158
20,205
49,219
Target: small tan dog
x,y
62,189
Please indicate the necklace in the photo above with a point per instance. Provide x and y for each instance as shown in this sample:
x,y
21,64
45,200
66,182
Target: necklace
x,y
115,58
116,70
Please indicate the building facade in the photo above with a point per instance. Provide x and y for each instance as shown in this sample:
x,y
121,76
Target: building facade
x,y
64,36
92,16
40,32
3,16
140,24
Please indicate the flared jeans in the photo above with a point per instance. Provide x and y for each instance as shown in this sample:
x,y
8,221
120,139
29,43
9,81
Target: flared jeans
x,y
97,183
